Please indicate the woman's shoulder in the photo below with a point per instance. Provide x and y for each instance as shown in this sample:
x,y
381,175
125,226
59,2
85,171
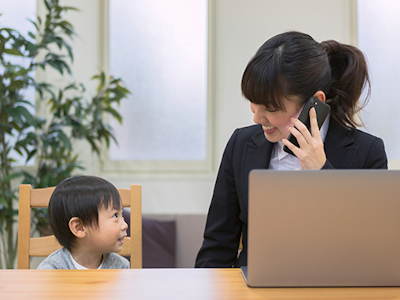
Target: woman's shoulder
x,y
351,135
247,133
363,133
245,138
360,135
249,130
369,142
241,136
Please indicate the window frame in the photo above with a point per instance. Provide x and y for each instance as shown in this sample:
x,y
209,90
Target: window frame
x,y
176,166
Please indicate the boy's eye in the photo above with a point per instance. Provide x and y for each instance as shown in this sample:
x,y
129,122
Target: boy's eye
x,y
116,215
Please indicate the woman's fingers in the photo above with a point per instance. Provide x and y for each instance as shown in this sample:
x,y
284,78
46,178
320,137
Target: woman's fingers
x,y
314,125
310,152
292,147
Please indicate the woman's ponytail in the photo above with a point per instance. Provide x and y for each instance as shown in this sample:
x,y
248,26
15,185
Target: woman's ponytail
x,y
349,77
292,65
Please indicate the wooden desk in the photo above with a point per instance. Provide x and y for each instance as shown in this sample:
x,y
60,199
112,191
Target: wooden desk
x,y
159,284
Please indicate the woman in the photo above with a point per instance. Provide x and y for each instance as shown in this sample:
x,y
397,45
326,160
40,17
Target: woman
x,y
285,72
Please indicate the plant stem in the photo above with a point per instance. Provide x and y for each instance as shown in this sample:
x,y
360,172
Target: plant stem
x,y
5,185
2,251
10,243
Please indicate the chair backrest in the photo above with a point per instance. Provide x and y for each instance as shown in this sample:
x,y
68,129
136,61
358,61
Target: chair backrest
x,y
44,246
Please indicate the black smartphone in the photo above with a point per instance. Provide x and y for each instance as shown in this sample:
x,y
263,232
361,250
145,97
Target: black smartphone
x,y
321,108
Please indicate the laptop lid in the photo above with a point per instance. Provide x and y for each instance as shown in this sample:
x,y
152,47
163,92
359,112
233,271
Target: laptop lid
x,y
324,228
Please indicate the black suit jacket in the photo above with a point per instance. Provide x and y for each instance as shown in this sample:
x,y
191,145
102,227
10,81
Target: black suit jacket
x,y
248,149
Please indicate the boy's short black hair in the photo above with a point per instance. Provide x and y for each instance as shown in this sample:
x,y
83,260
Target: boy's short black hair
x,y
80,197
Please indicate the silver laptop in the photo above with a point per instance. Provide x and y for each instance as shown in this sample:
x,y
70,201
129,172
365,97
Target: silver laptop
x,y
323,228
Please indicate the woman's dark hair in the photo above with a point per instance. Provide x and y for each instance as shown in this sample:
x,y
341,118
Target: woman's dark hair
x,y
80,197
294,66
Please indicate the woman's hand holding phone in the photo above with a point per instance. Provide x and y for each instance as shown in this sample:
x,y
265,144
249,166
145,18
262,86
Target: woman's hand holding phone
x,y
311,153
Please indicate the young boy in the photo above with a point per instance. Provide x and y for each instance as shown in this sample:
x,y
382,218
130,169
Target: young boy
x,y
85,214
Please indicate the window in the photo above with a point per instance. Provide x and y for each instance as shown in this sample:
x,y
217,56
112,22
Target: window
x,y
159,49
378,26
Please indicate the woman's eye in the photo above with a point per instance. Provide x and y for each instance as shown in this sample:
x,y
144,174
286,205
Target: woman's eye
x,y
271,110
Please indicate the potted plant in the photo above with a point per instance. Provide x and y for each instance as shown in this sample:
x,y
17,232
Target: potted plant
x,y
49,141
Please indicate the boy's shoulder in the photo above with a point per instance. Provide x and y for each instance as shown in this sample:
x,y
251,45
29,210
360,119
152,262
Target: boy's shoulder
x,y
115,261
60,259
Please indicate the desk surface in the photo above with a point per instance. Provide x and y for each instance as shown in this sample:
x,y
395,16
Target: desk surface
x,y
160,284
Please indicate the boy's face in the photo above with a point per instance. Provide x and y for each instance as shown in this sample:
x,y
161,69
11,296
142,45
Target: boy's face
x,y
109,236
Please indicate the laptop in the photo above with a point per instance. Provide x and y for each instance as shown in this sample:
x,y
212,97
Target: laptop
x,y
323,228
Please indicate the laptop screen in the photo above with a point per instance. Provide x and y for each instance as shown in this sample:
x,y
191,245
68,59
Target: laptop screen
x,y
324,228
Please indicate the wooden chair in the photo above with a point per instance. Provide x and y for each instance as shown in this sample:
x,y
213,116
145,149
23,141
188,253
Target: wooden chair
x,y
44,246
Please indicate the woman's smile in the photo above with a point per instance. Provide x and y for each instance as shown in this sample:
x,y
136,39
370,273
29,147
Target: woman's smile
x,y
269,129
275,123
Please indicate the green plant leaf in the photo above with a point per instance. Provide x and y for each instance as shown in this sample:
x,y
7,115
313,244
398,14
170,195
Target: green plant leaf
x,y
13,51
47,5
3,202
30,155
71,8
72,118
15,115
64,139
57,66
114,113
12,176
29,118
34,24
31,35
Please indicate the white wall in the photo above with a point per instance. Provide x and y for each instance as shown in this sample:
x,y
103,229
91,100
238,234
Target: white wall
x,y
243,26
239,28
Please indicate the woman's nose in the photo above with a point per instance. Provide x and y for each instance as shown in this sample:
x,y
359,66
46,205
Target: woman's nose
x,y
258,114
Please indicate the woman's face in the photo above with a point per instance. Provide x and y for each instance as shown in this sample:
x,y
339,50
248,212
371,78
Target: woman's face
x,y
275,122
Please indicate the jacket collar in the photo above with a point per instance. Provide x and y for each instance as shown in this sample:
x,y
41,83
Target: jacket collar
x,y
339,148
256,155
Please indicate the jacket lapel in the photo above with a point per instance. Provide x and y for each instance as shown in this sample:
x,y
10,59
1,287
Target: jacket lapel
x,y
256,155
338,147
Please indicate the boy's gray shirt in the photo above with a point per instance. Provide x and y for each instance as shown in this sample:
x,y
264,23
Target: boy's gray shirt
x,y
62,259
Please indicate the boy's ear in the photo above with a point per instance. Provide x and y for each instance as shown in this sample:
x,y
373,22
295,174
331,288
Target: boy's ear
x,y
77,228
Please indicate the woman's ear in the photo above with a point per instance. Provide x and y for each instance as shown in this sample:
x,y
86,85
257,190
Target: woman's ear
x,y
320,95
77,228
